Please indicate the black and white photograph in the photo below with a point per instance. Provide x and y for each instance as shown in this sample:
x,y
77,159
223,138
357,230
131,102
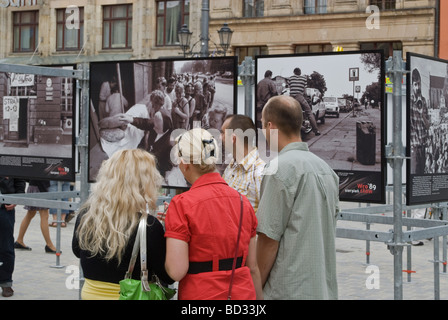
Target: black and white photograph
x,y
37,116
147,104
341,94
427,132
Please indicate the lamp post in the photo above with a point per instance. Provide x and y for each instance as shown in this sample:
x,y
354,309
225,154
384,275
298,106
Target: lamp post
x,y
225,37
184,38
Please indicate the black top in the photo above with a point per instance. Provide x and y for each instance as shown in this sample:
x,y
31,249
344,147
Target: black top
x,y
11,185
97,268
43,185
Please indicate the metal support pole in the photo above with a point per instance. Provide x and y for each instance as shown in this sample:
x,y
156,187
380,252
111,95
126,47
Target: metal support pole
x,y
205,17
436,269
444,241
247,74
58,233
397,157
84,131
83,145
409,250
367,245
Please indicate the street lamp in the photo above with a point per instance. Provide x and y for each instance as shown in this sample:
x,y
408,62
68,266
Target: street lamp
x,y
184,34
225,36
184,38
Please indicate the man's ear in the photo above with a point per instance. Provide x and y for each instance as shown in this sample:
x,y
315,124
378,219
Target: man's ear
x,y
271,125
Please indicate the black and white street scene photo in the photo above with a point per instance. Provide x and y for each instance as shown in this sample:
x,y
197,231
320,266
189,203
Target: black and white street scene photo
x,y
427,129
147,104
341,97
37,116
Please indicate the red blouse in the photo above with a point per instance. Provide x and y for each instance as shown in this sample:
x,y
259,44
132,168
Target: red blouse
x,y
207,218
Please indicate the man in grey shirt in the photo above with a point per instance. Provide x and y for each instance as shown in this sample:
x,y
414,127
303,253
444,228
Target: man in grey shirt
x,y
297,213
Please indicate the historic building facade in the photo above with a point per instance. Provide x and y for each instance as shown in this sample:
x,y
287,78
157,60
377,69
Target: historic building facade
x,y
46,32
62,32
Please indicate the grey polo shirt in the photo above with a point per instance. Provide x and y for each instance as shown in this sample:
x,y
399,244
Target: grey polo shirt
x,y
298,207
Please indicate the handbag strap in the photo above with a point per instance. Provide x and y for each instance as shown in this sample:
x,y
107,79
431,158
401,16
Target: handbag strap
x,y
140,243
229,296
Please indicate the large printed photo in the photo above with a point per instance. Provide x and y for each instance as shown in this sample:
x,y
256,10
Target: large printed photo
x,y
37,115
427,101
147,104
342,98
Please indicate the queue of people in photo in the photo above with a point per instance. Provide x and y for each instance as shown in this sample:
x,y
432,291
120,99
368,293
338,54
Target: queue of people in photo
x,y
437,149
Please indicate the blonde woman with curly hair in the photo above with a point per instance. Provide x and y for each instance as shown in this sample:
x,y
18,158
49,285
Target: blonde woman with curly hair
x,y
106,227
202,227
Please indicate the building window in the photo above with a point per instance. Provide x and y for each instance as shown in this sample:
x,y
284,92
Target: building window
x,y
171,15
67,97
315,6
312,48
388,47
117,27
26,30
253,8
69,37
243,52
384,4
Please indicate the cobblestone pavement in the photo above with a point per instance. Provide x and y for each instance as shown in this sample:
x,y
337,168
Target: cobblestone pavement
x,y
40,276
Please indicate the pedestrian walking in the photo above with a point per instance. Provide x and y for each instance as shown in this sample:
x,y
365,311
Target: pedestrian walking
x,y
36,186
7,220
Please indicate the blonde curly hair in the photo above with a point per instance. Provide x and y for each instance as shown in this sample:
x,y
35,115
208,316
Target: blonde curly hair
x,y
126,184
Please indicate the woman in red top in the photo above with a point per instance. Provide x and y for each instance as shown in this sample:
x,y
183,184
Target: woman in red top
x,y
202,229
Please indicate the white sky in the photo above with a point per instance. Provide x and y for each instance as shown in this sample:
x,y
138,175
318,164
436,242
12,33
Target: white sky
x,y
428,68
334,68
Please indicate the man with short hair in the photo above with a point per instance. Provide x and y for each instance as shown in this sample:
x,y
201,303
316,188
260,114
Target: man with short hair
x,y
297,84
297,213
245,170
266,89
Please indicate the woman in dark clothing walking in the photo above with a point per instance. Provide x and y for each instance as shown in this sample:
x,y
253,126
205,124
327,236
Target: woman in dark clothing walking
x,y
7,220
36,186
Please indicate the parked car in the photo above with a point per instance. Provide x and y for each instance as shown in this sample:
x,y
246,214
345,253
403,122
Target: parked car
x,y
331,106
344,105
227,74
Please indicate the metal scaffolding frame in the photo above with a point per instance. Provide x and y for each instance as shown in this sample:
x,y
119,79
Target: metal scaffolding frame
x,y
396,239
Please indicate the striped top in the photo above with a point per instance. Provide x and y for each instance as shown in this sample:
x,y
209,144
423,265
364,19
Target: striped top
x,y
297,85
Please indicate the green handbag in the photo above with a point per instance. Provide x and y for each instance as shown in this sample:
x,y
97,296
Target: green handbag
x,y
132,289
